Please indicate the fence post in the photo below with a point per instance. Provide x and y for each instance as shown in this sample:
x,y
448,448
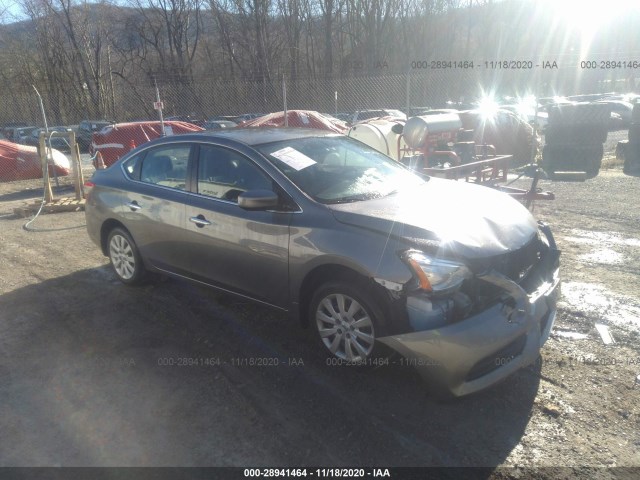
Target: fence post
x,y
534,145
75,165
284,101
160,106
408,93
48,193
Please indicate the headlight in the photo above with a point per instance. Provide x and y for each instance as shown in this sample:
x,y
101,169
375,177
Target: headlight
x,y
434,274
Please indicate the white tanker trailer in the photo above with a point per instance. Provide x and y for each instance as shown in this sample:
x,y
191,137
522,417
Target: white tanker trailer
x,y
430,144
428,137
382,134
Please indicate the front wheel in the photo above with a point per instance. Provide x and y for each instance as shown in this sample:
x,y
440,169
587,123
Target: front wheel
x,y
125,258
347,322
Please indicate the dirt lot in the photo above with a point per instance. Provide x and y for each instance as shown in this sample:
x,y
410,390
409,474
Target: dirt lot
x,y
96,373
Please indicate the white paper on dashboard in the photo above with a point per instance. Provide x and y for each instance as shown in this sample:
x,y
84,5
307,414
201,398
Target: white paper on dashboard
x,y
295,159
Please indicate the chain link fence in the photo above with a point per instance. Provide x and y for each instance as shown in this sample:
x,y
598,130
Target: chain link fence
x,y
205,97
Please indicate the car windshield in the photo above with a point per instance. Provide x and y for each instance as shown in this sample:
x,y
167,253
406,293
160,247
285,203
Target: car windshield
x,y
338,169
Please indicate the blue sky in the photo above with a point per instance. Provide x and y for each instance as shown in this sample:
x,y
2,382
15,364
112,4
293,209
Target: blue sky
x,y
9,11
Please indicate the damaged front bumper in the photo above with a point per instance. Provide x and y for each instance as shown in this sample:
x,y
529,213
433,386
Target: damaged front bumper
x,y
483,349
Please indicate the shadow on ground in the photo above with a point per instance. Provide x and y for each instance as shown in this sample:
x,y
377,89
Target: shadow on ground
x,y
27,193
96,373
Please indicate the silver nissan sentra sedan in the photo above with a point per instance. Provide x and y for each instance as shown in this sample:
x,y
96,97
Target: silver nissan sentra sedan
x,y
459,279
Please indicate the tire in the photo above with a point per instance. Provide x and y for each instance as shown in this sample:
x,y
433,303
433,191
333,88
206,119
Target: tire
x,y
621,150
635,113
592,160
579,114
593,167
347,322
634,133
576,134
550,159
124,257
632,160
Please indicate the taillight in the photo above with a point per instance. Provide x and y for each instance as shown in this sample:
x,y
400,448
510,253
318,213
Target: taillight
x,y
88,186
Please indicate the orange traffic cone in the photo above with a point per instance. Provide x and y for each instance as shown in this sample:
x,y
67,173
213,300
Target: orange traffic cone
x,y
132,144
99,161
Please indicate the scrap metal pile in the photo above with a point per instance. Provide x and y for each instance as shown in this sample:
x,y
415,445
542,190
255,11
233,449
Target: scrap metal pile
x,y
574,138
453,145
629,150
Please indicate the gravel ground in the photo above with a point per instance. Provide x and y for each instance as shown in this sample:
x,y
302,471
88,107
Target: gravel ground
x,y
94,373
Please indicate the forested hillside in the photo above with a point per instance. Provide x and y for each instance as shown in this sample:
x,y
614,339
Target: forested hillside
x,y
101,58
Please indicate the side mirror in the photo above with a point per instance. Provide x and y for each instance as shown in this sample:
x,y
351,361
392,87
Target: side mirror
x,y
258,200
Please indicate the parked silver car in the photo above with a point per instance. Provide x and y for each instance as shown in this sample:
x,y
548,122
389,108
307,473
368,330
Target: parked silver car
x,y
457,278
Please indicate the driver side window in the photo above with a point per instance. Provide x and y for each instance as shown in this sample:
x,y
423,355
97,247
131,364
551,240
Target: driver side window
x,y
225,174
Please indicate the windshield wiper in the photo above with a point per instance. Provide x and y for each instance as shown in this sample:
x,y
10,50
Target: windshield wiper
x,y
355,198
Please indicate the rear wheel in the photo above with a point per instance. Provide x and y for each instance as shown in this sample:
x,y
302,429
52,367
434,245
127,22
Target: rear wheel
x,y
347,322
125,258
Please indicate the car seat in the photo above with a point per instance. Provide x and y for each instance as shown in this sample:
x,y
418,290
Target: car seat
x,y
156,169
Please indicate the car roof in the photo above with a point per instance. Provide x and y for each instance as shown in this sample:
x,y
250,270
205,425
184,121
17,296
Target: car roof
x,y
258,136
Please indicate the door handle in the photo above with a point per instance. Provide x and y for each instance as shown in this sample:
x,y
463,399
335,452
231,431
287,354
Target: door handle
x,y
200,221
134,206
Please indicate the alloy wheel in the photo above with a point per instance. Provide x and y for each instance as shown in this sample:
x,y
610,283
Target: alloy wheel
x,y
122,257
345,327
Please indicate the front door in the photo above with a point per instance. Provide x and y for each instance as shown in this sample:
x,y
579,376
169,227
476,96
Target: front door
x,y
238,250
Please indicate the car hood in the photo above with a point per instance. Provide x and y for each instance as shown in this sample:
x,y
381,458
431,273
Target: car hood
x,y
457,218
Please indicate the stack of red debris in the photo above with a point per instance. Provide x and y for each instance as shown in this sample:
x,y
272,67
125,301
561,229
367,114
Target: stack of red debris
x,y
298,118
115,140
22,162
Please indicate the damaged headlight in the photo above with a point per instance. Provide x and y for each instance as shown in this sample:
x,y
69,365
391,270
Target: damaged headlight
x,y
434,274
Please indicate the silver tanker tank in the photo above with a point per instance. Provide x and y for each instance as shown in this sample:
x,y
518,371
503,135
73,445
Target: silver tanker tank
x,y
417,129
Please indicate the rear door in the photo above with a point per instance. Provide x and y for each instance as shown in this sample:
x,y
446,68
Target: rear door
x,y
154,207
234,249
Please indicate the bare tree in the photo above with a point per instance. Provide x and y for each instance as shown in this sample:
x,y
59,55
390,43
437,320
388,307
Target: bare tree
x,y
171,29
70,49
291,12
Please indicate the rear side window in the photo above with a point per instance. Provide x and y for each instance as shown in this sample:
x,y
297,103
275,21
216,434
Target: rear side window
x,y
166,166
130,166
